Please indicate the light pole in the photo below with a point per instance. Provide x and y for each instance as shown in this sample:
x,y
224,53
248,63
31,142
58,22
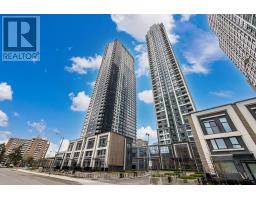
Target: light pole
x,y
62,138
147,134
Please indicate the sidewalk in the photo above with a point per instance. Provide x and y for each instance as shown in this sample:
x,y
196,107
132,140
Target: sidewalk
x,y
78,180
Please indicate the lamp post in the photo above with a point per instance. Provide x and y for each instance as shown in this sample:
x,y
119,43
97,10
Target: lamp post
x,y
147,134
62,138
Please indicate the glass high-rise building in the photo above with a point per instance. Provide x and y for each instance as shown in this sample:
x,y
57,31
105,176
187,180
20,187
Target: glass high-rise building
x,y
171,96
237,38
173,103
109,129
113,104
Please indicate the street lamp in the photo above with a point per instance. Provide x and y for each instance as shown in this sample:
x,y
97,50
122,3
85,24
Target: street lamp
x,y
62,138
147,134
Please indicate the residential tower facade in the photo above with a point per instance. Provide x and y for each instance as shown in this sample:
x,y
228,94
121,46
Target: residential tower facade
x,y
113,104
35,147
237,38
173,102
111,116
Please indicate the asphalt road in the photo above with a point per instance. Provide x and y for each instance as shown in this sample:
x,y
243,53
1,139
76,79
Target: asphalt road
x,y
10,176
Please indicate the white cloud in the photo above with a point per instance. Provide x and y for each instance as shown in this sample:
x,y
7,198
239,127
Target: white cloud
x,y
195,69
4,136
5,91
38,126
222,93
56,131
91,84
3,119
138,25
80,102
146,96
16,114
185,17
141,134
203,50
53,148
80,65
142,60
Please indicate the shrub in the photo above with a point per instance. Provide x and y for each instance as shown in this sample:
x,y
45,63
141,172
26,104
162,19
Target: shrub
x,y
170,174
158,175
187,177
197,175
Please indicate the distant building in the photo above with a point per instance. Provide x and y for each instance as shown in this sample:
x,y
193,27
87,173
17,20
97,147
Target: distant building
x,y
111,115
237,38
141,142
226,139
36,147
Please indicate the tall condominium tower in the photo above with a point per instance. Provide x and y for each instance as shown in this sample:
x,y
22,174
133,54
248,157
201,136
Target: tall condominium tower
x,y
237,38
171,96
113,104
109,129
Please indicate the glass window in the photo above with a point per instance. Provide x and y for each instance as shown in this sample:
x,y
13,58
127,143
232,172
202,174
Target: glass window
x,y
142,152
164,149
76,154
235,143
252,109
70,147
87,163
252,167
220,143
78,146
227,167
211,127
208,128
103,142
153,149
90,144
225,124
88,153
101,152
214,145
214,127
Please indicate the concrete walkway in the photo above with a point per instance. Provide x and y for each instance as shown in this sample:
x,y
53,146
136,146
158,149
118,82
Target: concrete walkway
x,y
67,178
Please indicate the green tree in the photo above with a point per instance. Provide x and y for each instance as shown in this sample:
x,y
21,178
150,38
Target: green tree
x,y
29,160
2,152
15,157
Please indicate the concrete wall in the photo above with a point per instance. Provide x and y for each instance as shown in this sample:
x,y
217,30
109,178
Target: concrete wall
x,y
116,151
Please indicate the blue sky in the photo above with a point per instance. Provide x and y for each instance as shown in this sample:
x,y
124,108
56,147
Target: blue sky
x,y
41,98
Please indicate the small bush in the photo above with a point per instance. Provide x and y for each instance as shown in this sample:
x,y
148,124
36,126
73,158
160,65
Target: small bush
x,y
157,175
187,177
170,174
197,175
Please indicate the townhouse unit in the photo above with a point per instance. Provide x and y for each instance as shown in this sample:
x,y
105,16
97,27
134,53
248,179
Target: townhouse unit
x,y
225,137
